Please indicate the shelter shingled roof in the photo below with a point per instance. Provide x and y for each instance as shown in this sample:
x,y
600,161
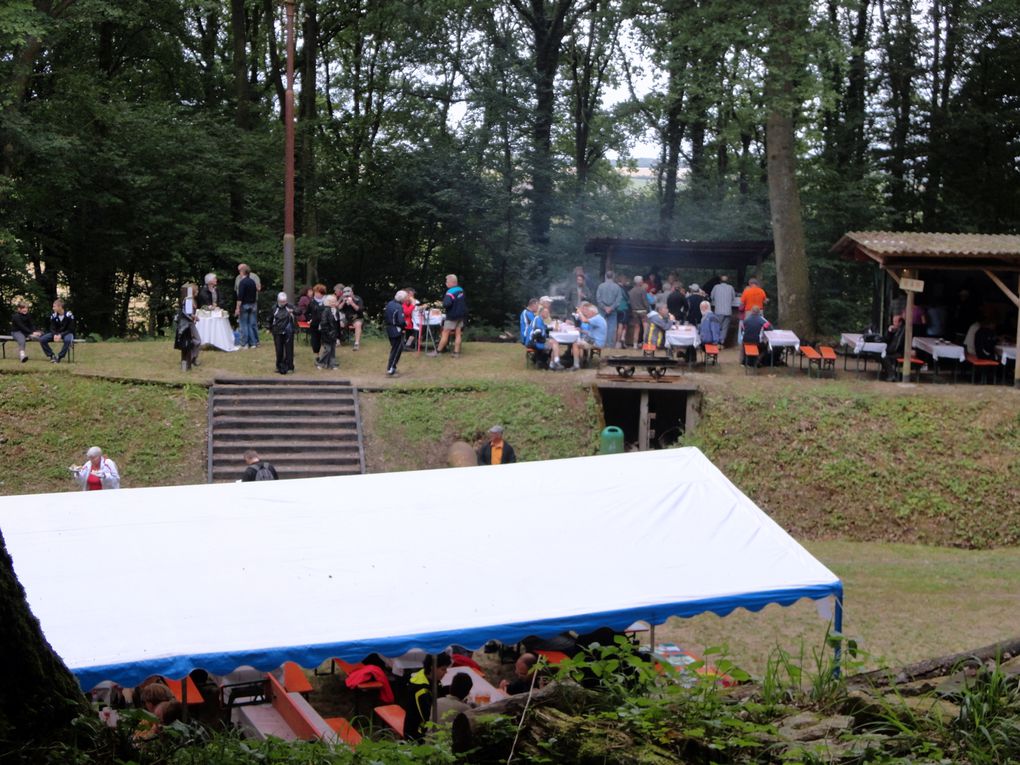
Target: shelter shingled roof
x,y
897,249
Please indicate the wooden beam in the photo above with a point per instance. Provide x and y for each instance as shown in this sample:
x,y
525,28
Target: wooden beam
x,y
892,274
1014,298
908,327
643,422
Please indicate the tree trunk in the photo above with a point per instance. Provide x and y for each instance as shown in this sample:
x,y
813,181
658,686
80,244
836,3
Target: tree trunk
x,y
787,226
307,116
788,21
39,697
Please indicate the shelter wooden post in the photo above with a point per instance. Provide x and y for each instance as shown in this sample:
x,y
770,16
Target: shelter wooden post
x,y
908,328
643,421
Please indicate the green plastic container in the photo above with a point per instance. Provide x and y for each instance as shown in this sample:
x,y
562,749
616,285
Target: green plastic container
x,y
611,440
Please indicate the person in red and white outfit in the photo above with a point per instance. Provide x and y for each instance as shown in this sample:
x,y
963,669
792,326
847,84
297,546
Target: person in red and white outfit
x,y
98,472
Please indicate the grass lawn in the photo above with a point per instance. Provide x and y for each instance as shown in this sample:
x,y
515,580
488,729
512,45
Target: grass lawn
x,y
904,603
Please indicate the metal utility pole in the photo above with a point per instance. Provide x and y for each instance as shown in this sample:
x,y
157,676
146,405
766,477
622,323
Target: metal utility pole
x,y
288,172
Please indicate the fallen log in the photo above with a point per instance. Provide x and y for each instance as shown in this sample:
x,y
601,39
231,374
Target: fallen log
x,y
941,665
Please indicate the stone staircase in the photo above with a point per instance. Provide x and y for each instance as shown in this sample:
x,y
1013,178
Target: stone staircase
x,y
305,428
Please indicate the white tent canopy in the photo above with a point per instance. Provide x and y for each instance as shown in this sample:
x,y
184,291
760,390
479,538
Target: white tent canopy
x,y
137,582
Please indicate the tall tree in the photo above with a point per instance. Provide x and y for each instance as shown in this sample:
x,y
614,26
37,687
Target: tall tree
x,y
787,23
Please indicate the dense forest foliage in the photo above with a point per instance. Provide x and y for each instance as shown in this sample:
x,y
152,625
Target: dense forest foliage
x,y
142,141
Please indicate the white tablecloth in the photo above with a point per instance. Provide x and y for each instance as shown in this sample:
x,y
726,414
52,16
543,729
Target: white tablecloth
x,y
683,337
938,348
565,337
216,332
781,338
1006,352
479,685
856,342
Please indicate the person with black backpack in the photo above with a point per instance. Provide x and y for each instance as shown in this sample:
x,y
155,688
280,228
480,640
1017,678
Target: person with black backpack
x,y
257,470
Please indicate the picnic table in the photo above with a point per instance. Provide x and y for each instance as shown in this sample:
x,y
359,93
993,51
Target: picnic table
x,y
685,336
1007,352
783,339
938,349
214,329
855,346
565,337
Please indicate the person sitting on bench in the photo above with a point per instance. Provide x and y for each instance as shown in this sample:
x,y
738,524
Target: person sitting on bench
x,y
456,699
594,334
655,330
61,330
523,669
22,328
754,326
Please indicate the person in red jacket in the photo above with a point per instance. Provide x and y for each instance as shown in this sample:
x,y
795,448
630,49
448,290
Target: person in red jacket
x,y
410,334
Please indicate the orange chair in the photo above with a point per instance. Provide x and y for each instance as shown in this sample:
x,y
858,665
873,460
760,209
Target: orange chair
x,y
295,680
711,353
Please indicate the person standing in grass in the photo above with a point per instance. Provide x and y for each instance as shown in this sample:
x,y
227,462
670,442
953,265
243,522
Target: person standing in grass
x,y
496,451
393,318
455,305
329,330
353,309
247,307
22,328
282,326
97,473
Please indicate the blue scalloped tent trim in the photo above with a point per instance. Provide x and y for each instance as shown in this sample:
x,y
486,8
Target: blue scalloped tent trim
x,y
313,655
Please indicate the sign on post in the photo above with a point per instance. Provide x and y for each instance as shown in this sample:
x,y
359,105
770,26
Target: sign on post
x,y
911,285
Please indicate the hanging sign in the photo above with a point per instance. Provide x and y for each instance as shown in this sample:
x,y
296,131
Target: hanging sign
x,y
912,285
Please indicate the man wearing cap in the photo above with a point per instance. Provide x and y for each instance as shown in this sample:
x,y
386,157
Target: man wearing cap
x,y
97,473
281,324
496,451
353,309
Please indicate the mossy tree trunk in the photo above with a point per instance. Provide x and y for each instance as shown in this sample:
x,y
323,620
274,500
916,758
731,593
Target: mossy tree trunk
x,y
38,694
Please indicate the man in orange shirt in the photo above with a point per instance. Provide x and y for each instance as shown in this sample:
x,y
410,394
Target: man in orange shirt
x,y
496,451
753,295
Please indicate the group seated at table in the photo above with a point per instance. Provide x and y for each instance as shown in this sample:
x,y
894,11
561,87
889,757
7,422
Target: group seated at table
x,y
755,325
592,333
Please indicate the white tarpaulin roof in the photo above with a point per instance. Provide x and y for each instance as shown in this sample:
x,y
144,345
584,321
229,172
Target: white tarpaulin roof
x,y
137,582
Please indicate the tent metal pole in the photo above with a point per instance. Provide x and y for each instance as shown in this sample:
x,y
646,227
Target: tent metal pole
x,y
837,625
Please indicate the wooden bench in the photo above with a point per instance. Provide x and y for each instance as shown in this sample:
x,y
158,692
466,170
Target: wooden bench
x,y
301,718
814,359
393,715
625,366
344,730
711,351
984,365
828,359
915,364
295,680
750,352
4,339
175,686
553,657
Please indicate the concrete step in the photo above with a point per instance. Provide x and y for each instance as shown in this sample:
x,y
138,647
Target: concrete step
x,y
282,408
321,423
233,459
258,402
294,441
234,473
277,382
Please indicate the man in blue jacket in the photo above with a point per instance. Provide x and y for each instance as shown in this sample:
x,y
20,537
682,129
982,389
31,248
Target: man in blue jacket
x,y
527,317
455,306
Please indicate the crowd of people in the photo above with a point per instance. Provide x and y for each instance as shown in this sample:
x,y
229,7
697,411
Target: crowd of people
x,y
636,313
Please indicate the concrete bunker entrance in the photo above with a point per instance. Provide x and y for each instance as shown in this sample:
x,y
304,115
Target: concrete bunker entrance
x,y
652,415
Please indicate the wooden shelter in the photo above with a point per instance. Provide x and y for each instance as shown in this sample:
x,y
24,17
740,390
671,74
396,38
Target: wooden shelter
x,y
903,254
660,254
